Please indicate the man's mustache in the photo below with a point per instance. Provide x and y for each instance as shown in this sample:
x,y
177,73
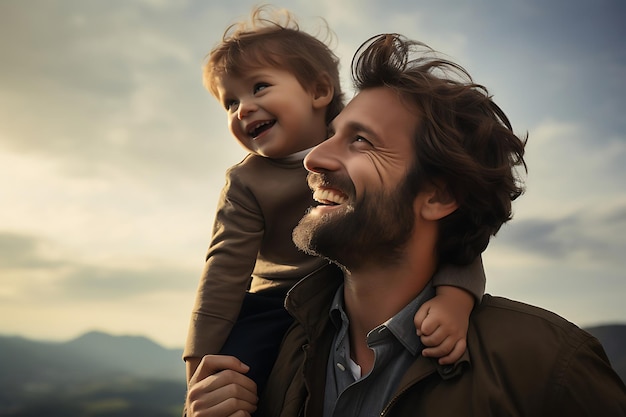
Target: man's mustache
x,y
332,180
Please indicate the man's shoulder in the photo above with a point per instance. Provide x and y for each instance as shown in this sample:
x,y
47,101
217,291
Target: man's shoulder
x,y
509,306
524,324
542,357
497,308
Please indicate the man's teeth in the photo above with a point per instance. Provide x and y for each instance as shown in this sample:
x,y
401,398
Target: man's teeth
x,y
328,196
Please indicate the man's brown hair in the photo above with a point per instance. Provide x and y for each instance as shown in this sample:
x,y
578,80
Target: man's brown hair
x,y
464,141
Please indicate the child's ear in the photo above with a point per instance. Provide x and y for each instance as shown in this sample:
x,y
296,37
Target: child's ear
x,y
439,202
322,92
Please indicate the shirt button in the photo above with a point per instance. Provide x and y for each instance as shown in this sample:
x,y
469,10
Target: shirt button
x,y
341,367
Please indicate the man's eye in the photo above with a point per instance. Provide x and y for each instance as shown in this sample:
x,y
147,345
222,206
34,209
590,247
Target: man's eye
x,y
361,139
259,87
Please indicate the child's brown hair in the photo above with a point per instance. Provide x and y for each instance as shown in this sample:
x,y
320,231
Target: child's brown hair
x,y
275,41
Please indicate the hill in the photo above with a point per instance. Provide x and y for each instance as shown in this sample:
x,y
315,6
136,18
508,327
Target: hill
x,y
92,355
613,339
95,374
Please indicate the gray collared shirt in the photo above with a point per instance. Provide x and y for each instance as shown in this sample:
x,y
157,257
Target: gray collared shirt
x,y
395,345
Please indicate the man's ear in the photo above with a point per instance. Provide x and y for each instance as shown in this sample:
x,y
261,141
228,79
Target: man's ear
x,y
438,203
322,92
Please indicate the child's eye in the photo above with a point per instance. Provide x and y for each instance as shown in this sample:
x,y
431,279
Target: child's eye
x,y
231,105
259,87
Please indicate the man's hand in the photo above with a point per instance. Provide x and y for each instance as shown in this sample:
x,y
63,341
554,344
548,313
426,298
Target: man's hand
x,y
220,388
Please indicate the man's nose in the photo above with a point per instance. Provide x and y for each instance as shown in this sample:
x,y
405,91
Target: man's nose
x,y
324,157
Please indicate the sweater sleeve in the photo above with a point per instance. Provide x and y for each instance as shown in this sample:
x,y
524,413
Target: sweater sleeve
x,y
237,235
470,277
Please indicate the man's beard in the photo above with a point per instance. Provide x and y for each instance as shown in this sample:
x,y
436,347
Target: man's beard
x,y
373,230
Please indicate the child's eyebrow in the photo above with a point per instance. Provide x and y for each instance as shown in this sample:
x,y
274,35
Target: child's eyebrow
x,y
258,75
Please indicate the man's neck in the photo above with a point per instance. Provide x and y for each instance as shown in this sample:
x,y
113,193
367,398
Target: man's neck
x,y
373,295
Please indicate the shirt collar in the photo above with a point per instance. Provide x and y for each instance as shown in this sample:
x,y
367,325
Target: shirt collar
x,y
401,325
337,313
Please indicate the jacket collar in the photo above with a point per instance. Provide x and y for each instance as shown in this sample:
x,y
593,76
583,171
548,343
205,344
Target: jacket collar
x,y
310,298
309,302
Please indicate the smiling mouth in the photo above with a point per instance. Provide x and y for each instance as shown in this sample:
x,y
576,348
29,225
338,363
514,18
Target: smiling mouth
x,y
260,127
329,197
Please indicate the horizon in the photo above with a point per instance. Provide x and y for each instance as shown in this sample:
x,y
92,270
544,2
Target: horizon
x,y
140,336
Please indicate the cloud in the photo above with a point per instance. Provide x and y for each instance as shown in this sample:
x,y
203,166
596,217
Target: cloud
x,y
114,283
113,89
25,252
43,272
592,236
572,167
574,209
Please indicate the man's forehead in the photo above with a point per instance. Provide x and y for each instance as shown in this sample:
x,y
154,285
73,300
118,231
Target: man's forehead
x,y
360,108
376,108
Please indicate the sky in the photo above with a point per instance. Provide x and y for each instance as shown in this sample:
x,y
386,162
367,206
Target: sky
x,y
113,155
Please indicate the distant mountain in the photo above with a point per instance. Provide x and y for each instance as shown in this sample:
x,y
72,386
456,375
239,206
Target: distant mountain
x,y
613,339
137,355
95,374
92,355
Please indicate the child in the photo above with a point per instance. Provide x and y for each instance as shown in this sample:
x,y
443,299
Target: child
x,y
280,88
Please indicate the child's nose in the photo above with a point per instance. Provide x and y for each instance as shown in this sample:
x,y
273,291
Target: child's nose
x,y
245,108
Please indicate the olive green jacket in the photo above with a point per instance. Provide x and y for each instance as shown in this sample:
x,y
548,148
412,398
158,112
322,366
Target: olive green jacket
x,y
521,361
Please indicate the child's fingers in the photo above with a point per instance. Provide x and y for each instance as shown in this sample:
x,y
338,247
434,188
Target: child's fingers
x,y
419,318
430,327
435,339
455,354
437,350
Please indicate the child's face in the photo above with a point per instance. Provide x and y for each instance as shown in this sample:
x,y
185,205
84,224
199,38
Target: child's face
x,y
270,113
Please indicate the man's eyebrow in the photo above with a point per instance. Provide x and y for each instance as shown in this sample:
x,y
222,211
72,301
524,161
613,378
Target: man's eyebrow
x,y
354,127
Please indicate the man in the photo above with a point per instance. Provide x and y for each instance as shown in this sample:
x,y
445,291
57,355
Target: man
x,y
419,170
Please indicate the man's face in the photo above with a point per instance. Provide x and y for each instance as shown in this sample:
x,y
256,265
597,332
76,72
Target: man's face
x,y
358,176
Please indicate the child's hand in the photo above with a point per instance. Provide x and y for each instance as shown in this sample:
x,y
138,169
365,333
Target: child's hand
x,y
442,323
